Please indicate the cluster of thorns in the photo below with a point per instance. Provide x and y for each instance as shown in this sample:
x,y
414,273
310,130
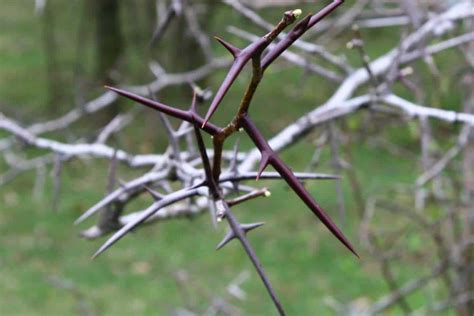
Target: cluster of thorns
x,y
213,179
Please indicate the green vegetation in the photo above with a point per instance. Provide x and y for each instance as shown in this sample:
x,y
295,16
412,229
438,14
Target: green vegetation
x,y
136,276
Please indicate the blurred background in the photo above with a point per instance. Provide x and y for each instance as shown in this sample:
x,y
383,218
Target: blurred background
x,y
405,198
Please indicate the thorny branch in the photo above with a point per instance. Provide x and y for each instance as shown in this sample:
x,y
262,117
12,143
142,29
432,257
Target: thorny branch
x,y
216,176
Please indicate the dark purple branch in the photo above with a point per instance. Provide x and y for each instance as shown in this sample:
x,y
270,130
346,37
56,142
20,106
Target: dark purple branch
x,y
239,233
237,230
297,32
206,164
187,116
242,57
270,157
324,12
283,45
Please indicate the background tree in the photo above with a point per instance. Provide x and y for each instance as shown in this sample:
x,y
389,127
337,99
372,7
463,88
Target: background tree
x,y
109,39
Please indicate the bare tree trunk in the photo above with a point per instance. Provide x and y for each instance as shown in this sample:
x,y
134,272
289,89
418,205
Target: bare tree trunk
x,y
108,38
51,50
109,44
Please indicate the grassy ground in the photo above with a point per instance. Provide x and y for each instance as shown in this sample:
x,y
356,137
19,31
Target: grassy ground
x,y
45,267
306,264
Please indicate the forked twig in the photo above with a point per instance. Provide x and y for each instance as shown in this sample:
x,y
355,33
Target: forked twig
x,y
211,177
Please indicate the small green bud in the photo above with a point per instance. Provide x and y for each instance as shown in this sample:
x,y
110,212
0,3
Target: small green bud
x,y
198,90
297,13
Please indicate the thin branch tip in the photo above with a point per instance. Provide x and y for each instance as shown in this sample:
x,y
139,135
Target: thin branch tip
x,y
297,13
96,254
79,220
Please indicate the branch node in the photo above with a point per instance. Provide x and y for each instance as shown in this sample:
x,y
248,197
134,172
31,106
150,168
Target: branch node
x,y
231,235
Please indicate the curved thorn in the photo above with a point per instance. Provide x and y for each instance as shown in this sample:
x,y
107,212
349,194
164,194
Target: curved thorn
x,y
264,161
303,24
304,195
227,238
231,235
248,227
231,48
291,179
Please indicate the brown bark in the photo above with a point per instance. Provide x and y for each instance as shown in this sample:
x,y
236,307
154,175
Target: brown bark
x,y
109,39
51,54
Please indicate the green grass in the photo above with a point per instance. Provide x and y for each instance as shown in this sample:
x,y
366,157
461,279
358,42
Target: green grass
x,y
305,263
